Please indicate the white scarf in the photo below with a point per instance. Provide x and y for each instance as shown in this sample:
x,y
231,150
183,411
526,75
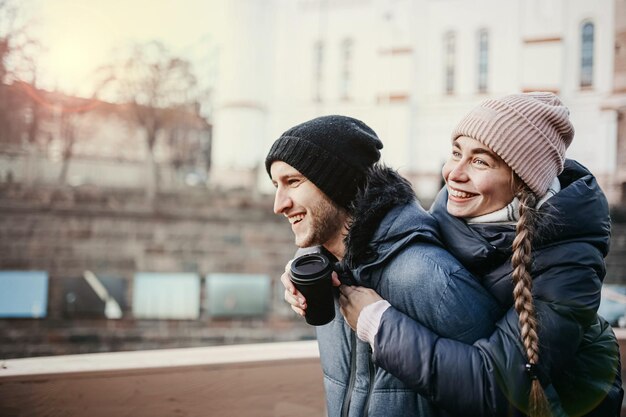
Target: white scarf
x,y
510,213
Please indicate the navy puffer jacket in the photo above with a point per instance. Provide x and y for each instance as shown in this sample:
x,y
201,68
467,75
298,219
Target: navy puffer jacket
x,y
393,247
579,355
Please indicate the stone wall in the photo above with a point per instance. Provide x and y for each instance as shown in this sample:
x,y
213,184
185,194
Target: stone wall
x,y
117,233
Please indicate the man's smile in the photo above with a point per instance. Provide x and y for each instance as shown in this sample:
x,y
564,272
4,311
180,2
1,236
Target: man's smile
x,y
295,219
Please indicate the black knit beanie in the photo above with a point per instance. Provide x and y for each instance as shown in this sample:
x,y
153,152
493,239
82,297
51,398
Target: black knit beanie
x,y
333,152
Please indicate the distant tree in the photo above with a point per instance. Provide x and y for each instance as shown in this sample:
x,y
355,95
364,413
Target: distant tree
x,y
188,139
20,110
68,138
69,118
158,87
13,40
17,63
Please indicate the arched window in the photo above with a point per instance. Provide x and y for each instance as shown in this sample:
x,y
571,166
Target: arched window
x,y
483,60
345,77
586,55
449,58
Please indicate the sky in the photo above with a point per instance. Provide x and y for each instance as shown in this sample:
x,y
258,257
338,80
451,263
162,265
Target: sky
x,y
81,35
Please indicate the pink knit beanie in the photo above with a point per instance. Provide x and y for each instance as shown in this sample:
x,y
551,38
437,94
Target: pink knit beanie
x,y
529,131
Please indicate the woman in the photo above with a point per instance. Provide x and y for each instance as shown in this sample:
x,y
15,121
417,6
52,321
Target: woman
x,y
537,242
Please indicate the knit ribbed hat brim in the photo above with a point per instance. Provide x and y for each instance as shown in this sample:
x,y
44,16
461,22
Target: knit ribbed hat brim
x,y
530,132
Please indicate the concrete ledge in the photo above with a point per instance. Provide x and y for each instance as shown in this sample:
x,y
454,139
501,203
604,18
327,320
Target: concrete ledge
x,y
57,366
259,380
274,379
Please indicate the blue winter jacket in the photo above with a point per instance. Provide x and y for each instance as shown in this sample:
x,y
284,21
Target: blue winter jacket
x,y
579,356
393,247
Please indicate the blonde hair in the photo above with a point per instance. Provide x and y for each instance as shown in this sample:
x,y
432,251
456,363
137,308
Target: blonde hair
x,y
521,261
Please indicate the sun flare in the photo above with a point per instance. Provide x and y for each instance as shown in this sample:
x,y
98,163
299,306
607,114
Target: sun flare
x,y
77,40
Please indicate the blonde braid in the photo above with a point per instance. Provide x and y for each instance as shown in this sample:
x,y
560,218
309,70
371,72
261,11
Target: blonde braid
x,y
522,293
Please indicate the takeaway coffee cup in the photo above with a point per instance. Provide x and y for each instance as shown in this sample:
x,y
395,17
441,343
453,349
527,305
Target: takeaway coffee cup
x,y
311,275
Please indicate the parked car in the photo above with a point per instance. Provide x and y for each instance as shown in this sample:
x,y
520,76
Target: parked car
x,y
613,305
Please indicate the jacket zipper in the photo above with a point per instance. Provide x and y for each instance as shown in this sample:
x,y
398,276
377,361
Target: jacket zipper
x,y
345,407
372,374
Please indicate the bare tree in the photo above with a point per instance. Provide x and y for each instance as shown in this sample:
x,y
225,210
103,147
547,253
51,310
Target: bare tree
x,y
68,114
188,138
17,49
10,37
68,132
157,87
20,110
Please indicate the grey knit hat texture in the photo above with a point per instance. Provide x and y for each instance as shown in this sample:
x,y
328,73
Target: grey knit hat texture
x,y
333,152
529,131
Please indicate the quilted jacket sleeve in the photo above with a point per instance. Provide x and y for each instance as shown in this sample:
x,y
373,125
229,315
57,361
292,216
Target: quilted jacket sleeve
x,y
487,377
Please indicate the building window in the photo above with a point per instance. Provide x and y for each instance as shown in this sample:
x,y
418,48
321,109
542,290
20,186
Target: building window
x,y
23,294
237,295
483,60
345,83
318,73
94,296
449,55
166,295
586,55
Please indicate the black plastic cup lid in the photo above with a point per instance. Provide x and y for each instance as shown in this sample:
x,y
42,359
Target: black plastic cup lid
x,y
310,266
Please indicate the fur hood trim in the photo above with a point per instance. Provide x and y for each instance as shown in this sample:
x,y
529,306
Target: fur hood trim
x,y
384,189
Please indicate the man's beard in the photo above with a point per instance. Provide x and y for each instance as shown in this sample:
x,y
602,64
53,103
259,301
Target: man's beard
x,y
327,219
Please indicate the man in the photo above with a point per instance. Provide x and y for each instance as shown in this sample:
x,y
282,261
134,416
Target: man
x,y
338,198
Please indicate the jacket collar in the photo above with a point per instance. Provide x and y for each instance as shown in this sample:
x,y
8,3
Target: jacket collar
x,y
384,190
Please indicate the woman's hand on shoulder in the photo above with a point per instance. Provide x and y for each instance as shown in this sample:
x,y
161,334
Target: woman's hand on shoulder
x,y
353,300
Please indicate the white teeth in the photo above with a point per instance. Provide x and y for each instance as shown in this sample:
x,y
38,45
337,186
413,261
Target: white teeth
x,y
458,193
296,218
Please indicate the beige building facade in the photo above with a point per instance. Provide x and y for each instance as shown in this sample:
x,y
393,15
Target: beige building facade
x,y
411,69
